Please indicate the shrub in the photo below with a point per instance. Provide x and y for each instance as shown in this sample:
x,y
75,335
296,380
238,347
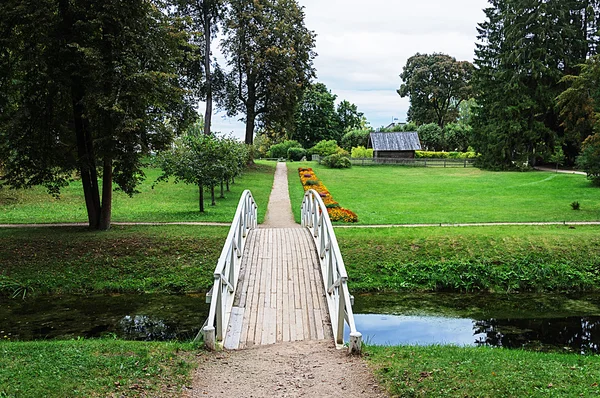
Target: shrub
x,y
444,155
362,152
355,138
337,161
325,148
296,154
431,136
281,150
575,205
589,159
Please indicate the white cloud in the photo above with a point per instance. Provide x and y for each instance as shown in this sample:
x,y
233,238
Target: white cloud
x,y
363,46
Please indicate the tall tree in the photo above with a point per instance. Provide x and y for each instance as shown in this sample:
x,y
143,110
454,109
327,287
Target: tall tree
x,y
204,16
525,48
270,53
316,117
88,86
436,85
349,117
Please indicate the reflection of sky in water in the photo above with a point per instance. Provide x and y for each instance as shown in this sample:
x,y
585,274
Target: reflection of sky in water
x,y
414,330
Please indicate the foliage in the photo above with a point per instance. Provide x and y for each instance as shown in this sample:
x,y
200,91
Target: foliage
x,y
296,154
270,52
436,85
92,87
362,152
575,205
203,160
337,161
457,137
94,368
309,180
325,148
524,49
355,138
316,118
281,150
349,118
579,105
589,159
447,371
456,195
444,155
431,136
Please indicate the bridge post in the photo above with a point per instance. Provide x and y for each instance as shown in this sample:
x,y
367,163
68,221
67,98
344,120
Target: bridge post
x,y
210,338
355,344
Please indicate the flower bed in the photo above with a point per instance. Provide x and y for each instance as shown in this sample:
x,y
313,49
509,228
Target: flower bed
x,y
336,213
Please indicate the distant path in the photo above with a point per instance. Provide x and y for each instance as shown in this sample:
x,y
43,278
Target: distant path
x,y
279,211
553,170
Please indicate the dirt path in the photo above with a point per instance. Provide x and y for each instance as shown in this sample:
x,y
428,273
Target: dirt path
x,y
553,170
300,369
279,211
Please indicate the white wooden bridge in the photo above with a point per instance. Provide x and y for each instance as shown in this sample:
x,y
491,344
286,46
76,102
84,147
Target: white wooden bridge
x,y
280,284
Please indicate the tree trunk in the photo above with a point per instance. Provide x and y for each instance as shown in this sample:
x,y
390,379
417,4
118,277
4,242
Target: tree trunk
x,y
212,195
222,191
250,123
106,210
227,183
209,101
201,197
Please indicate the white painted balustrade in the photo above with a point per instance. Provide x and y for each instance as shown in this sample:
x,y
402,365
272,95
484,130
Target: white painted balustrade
x,y
227,271
333,271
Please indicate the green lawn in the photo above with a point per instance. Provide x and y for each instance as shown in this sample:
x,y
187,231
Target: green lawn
x,y
171,259
94,368
166,202
498,259
406,195
483,372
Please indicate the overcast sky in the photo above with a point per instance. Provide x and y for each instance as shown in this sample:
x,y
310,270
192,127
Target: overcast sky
x,y
363,45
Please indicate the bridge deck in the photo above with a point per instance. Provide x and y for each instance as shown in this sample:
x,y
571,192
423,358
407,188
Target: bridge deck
x,y
280,294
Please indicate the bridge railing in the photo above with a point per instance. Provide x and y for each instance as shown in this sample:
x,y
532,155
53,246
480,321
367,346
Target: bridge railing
x,y
227,271
333,271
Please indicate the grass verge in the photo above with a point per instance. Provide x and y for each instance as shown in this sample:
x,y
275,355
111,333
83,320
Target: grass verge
x,y
446,371
405,195
163,203
131,259
94,368
495,259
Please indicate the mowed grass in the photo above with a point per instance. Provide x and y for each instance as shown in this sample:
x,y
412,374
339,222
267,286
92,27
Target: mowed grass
x,y
95,368
406,195
134,259
467,259
166,202
438,371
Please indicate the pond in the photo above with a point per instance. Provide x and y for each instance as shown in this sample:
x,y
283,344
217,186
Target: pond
x,y
538,322
127,316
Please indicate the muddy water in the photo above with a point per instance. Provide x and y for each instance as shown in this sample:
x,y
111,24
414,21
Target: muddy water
x,y
127,316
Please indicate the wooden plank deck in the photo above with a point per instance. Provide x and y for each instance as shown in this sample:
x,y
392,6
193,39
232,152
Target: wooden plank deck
x,y
280,296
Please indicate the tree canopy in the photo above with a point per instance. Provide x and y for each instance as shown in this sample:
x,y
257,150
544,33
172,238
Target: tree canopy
x,y
88,86
270,53
436,85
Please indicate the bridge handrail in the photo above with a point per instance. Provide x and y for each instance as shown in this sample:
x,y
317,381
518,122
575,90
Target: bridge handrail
x,y
227,271
333,270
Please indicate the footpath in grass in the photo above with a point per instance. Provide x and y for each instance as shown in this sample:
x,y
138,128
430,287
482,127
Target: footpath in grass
x,y
445,371
126,259
166,202
406,195
95,368
487,259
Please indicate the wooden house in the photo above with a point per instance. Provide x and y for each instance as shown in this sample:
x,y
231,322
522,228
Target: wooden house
x,y
395,145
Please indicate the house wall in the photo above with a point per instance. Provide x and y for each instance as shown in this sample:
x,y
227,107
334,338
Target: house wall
x,y
394,154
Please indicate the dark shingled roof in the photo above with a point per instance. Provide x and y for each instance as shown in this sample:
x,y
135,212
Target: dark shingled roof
x,y
408,141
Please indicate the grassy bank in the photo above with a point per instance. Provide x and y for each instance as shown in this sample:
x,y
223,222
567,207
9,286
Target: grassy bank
x,y
483,372
94,368
405,195
499,259
165,202
172,259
